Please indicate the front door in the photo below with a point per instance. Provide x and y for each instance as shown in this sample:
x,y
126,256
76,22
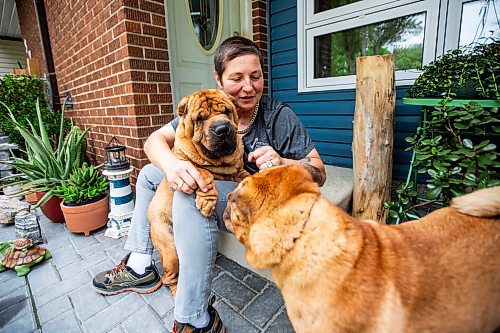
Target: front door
x,y
196,28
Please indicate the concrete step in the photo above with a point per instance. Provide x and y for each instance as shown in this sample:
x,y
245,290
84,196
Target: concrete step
x,y
337,189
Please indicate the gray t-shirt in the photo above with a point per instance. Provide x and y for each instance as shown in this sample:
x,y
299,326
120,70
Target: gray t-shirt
x,y
277,126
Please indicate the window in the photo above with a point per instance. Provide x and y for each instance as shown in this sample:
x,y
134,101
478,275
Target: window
x,y
478,21
333,33
205,19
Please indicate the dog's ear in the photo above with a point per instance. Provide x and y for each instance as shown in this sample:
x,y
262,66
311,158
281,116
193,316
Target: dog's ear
x,y
182,107
272,235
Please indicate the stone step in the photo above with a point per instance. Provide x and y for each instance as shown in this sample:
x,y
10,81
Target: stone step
x,y
337,189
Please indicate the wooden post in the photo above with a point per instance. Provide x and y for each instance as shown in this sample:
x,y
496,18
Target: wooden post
x,y
373,136
33,67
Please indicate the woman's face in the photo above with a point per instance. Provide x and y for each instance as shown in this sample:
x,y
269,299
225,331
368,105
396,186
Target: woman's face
x,y
243,79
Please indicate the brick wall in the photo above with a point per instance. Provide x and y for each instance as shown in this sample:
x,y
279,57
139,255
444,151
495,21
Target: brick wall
x,y
29,27
259,21
112,57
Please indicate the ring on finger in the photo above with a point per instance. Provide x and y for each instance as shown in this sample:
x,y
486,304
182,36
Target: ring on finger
x,y
269,163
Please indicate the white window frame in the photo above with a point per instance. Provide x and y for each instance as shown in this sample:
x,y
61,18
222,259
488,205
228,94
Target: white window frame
x,y
310,25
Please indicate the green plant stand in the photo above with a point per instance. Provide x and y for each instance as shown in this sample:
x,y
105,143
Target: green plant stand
x,y
485,103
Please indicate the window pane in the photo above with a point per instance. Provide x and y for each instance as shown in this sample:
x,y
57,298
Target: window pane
x,y
205,19
478,22
324,5
335,54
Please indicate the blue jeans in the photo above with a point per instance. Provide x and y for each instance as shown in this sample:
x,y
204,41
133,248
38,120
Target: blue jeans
x,y
195,238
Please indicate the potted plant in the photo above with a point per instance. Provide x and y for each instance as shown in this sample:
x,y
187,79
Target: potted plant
x,y
45,166
455,147
466,73
84,197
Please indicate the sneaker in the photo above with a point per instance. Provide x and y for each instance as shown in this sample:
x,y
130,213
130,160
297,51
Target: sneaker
x,y
214,326
122,278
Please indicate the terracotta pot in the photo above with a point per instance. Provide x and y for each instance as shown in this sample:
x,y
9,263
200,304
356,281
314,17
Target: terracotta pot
x,y
33,198
87,217
52,209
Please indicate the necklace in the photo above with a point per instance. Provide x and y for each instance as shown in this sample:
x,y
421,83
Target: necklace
x,y
245,131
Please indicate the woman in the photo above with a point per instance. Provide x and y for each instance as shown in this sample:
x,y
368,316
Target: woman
x,y
272,135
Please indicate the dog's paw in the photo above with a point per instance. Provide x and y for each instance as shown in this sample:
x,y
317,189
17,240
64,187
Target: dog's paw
x,y
206,205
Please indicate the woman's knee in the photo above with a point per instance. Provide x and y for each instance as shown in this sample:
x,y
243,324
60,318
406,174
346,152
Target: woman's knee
x,y
149,177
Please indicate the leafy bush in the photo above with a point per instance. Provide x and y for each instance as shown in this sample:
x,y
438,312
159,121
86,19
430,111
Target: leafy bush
x,y
453,148
45,167
20,94
85,183
467,72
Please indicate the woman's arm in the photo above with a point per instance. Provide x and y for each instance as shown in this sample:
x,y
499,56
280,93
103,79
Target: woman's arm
x,y
181,175
266,157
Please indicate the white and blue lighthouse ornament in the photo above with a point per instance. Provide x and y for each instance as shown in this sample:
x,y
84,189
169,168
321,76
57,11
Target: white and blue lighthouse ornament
x,y
121,200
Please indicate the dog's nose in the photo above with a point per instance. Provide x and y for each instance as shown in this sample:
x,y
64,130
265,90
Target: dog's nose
x,y
222,129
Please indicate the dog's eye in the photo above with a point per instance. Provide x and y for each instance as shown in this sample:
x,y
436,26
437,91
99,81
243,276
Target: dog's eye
x,y
199,120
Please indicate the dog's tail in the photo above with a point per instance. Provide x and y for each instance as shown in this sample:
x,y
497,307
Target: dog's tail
x,y
482,203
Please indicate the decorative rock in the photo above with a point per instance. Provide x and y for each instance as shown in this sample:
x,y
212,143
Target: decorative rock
x,y
28,226
9,207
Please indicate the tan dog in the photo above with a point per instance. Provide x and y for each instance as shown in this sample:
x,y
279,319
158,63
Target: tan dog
x,y
207,137
338,274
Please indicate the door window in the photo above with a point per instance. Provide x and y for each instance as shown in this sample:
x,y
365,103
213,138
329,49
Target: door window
x,y
205,19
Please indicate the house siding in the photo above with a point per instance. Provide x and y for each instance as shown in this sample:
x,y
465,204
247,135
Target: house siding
x,y
11,52
328,115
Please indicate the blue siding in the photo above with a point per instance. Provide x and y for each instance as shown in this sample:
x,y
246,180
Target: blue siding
x,y
327,115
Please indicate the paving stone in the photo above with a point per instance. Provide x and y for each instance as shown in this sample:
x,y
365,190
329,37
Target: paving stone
x,y
7,275
234,322
230,266
161,301
66,322
18,294
92,250
12,285
54,243
80,241
61,288
168,320
280,325
117,253
42,276
54,309
21,325
114,314
107,241
117,329
87,302
104,265
14,309
255,282
264,307
64,256
234,292
81,265
142,321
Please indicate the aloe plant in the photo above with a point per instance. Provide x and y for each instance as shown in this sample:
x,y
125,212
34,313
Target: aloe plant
x,y
45,167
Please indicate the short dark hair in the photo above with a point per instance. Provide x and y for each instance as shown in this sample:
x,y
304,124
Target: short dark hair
x,y
234,47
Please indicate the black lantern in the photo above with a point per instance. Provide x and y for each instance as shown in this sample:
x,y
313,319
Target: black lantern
x,y
115,156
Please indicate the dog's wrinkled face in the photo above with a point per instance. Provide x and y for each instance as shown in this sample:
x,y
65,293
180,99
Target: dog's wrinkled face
x,y
210,120
266,209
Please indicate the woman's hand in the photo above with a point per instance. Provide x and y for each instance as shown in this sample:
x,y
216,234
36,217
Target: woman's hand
x,y
265,157
182,176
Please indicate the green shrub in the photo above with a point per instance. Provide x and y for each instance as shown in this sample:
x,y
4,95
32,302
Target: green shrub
x,y
455,149
20,94
468,72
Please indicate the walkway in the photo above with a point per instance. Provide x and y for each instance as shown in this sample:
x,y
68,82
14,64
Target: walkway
x,y
57,295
